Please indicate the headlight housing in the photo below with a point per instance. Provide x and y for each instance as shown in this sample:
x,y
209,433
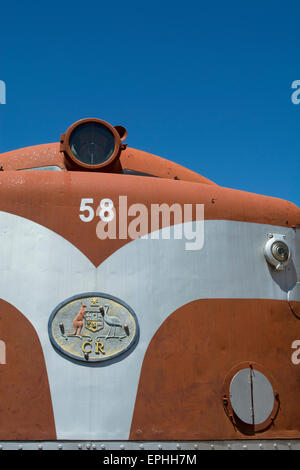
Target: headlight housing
x,y
92,143
277,251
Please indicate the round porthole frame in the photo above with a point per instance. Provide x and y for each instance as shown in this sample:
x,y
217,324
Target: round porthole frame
x,y
244,427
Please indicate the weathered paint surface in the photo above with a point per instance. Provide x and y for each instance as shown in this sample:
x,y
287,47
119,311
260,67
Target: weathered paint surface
x,y
179,394
25,401
200,312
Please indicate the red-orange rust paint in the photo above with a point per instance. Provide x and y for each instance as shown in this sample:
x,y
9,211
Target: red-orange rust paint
x,y
52,199
180,393
25,400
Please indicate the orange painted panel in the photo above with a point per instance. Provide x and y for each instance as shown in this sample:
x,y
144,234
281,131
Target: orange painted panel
x,y
25,402
180,393
53,200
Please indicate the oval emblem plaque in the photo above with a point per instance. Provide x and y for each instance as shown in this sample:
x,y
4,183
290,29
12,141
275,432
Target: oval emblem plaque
x,y
93,327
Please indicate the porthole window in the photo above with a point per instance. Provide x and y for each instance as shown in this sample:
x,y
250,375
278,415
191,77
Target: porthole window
x,y
250,398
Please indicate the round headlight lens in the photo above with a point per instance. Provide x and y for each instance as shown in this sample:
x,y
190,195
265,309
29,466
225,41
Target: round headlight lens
x,y
92,143
280,251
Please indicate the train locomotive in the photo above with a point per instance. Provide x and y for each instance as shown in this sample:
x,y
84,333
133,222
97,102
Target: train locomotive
x,y
141,304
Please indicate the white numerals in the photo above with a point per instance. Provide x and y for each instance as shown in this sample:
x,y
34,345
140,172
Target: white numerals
x,y
106,206
105,210
84,207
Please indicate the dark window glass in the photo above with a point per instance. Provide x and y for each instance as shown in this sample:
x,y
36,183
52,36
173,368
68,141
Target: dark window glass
x,y
92,143
137,173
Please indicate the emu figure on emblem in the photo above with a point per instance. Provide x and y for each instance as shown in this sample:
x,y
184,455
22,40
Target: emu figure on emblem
x,y
112,322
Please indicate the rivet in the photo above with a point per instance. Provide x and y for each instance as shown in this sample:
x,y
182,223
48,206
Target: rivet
x,y
261,446
159,446
40,447
275,446
20,448
102,447
196,446
245,447
178,446
94,447
229,447
212,447
141,446
88,446
122,447
289,445
79,446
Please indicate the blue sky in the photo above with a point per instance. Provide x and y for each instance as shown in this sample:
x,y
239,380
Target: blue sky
x,y
205,84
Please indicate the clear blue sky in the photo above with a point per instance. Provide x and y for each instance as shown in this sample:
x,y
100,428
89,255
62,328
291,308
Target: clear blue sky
x,y
205,84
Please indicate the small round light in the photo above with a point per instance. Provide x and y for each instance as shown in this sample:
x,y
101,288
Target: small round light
x,y
277,251
280,251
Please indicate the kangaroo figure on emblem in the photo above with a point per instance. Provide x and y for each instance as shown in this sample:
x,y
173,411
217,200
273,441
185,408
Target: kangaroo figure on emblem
x,y
78,321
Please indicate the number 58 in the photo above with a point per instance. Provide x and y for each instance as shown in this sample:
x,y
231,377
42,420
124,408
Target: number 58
x,y
105,209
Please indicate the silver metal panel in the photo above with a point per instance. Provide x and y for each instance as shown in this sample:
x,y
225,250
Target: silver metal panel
x,y
294,294
263,397
295,240
240,396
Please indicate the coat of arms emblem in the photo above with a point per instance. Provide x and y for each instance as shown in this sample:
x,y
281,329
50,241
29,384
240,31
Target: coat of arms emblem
x,y
93,327
94,318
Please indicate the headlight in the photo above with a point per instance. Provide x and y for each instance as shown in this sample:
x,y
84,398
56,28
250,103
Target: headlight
x,y
92,143
277,251
280,251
